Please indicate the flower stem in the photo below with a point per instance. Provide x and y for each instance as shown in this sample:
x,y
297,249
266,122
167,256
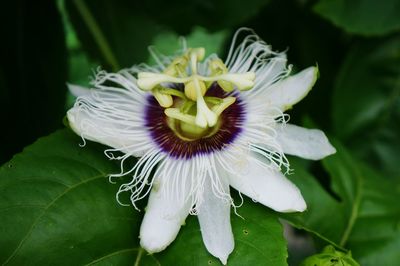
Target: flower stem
x,y
97,34
139,256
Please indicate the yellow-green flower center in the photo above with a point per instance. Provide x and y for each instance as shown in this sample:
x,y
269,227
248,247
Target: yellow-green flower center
x,y
190,113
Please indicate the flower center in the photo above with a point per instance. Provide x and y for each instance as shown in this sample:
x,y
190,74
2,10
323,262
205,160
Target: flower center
x,y
190,131
191,112
185,140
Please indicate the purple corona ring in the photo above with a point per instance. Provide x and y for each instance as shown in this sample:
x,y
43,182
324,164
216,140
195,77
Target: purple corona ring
x,y
201,126
230,124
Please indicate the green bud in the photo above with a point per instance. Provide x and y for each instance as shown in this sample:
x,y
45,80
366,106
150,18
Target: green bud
x,y
330,257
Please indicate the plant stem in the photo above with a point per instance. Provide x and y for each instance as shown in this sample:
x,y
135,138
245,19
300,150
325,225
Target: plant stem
x,y
97,34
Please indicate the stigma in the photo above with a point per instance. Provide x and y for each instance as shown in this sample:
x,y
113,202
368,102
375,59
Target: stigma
x,y
182,91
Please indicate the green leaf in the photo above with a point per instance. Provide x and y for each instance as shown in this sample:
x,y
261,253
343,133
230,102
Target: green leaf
x,y
366,103
58,208
33,70
375,238
363,17
364,219
325,216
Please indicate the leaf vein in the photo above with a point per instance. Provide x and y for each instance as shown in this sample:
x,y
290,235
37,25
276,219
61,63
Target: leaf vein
x,y
23,240
110,255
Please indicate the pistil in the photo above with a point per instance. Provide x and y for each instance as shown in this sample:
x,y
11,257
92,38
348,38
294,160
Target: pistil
x,y
179,104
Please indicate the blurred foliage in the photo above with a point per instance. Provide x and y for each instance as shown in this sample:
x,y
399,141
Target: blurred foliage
x,y
365,17
55,202
168,42
366,102
358,212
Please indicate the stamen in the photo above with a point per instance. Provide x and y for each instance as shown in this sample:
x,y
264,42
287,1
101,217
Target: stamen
x,y
148,80
165,100
243,81
195,88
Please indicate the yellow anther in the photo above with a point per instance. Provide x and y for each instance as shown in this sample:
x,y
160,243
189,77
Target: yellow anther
x,y
148,80
163,99
243,81
190,89
219,70
225,85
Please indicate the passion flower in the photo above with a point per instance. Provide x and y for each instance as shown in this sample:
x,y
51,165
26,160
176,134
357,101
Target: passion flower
x,y
200,126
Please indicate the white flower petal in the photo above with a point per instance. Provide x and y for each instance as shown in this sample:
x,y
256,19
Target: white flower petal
x,y
163,219
267,186
215,224
113,117
289,91
77,90
306,143
90,128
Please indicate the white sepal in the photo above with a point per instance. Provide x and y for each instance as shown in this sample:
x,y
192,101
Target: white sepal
x,y
310,144
289,91
215,223
268,186
163,219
